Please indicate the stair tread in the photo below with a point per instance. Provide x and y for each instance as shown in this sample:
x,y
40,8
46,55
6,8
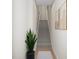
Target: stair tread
x,y
43,35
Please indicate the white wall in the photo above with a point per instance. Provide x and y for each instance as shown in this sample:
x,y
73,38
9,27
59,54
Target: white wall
x,y
58,37
34,17
42,12
22,21
35,29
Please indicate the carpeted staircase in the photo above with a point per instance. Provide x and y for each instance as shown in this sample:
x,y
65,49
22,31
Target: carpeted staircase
x,y
43,35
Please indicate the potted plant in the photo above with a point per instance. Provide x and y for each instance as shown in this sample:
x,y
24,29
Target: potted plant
x,y
30,42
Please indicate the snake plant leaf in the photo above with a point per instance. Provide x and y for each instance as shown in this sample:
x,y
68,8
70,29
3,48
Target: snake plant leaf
x,y
30,40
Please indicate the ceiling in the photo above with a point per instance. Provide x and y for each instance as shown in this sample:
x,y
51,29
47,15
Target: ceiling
x,y
44,2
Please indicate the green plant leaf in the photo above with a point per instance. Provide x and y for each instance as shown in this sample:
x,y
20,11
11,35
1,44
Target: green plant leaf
x,y
30,40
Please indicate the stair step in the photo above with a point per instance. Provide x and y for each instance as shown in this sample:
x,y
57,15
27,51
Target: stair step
x,y
43,35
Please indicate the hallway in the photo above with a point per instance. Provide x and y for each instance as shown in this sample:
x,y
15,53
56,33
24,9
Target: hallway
x,y
46,18
44,48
